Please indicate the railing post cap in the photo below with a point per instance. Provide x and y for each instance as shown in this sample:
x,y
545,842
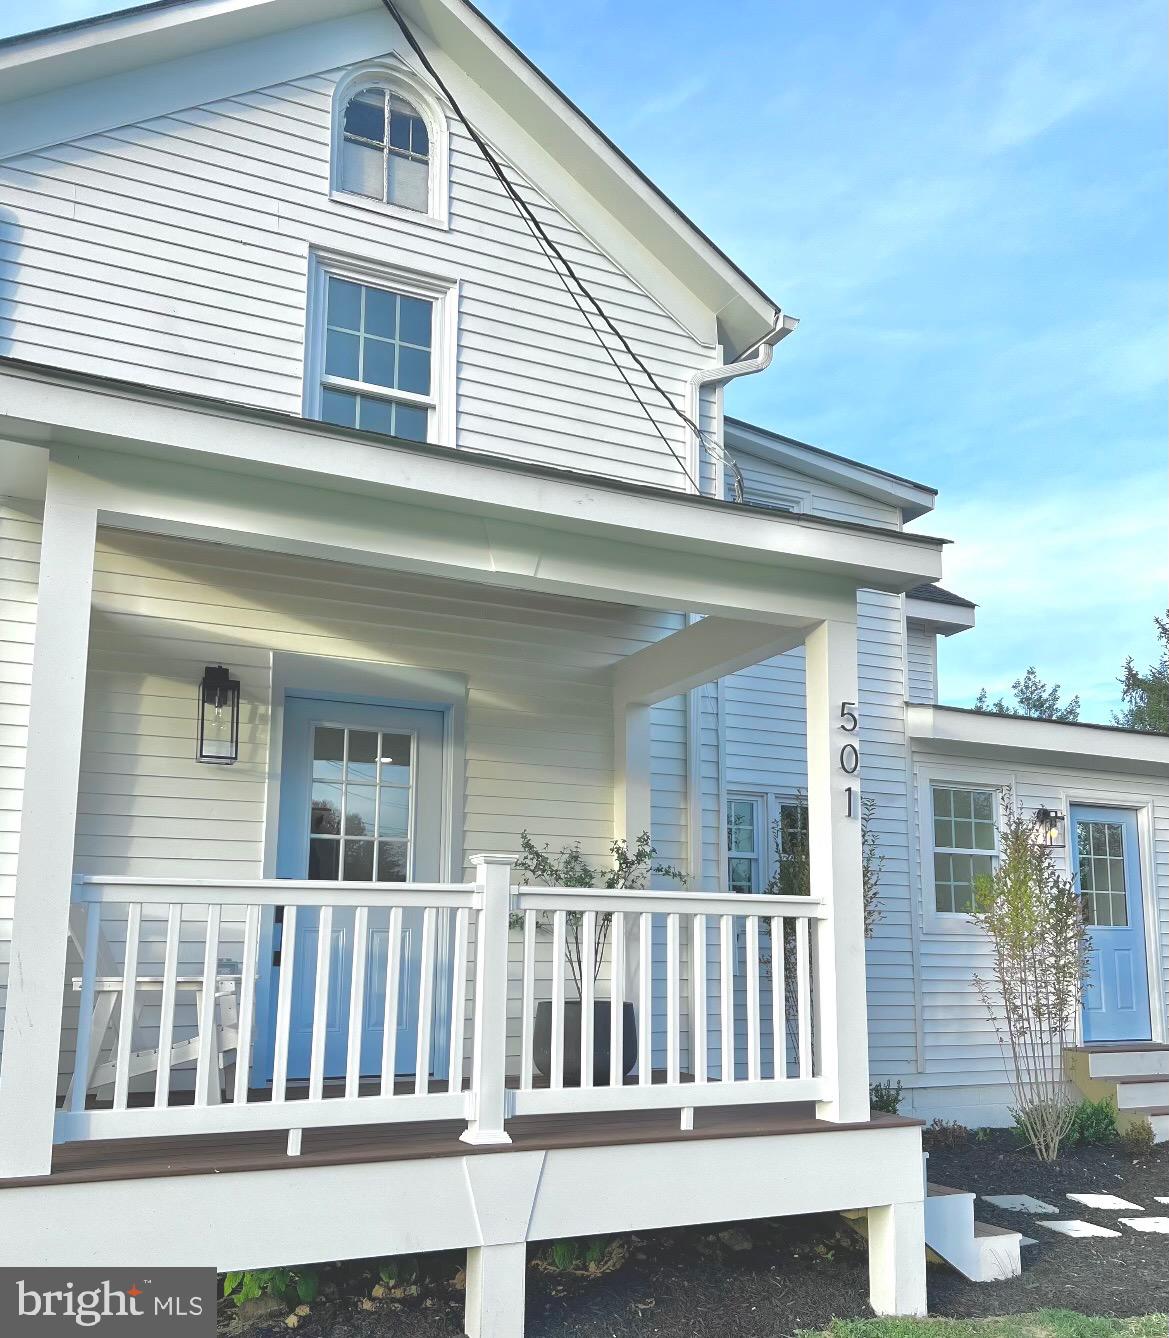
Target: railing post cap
x,y
480,861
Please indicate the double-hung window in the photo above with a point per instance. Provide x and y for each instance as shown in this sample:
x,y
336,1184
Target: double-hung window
x,y
964,844
377,369
746,859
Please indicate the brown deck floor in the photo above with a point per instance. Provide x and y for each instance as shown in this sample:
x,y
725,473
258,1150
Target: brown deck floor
x,y
199,1154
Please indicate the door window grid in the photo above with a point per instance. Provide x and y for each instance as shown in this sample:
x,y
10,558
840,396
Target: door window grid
x,y
378,373
361,809
1100,847
965,842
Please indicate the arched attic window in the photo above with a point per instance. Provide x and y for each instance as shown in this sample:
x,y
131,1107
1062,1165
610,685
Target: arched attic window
x,y
386,151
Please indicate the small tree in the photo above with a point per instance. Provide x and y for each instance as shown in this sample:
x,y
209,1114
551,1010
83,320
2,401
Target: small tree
x,y
1033,698
569,868
1035,924
1146,696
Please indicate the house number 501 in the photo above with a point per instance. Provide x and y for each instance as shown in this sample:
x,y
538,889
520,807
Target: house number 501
x,y
850,758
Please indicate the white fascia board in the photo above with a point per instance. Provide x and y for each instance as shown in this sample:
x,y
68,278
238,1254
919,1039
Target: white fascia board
x,y
944,619
42,408
984,734
130,68
912,499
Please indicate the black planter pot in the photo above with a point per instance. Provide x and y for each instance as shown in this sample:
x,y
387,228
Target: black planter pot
x,y
542,1041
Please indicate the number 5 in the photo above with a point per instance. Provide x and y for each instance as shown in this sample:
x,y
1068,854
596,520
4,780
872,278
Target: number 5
x,y
848,713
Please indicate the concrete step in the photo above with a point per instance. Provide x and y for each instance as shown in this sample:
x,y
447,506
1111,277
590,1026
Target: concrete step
x,y
1118,1061
1139,1091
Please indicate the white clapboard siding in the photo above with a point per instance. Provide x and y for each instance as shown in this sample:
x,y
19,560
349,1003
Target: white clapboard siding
x,y
174,252
921,651
20,536
961,1049
768,483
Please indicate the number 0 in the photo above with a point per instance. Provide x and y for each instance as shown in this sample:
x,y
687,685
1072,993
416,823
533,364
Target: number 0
x,y
850,759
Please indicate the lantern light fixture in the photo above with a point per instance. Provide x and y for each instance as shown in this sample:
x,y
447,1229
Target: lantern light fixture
x,y
218,717
1050,829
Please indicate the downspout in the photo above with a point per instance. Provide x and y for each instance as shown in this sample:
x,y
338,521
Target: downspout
x,y
757,358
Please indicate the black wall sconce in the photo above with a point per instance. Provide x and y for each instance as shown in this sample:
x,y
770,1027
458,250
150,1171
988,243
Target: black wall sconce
x,y
1050,829
218,717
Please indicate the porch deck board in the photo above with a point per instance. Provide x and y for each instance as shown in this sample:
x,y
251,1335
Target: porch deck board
x,y
145,1158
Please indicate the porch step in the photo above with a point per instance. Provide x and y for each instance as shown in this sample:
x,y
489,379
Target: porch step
x,y
980,1252
1133,1076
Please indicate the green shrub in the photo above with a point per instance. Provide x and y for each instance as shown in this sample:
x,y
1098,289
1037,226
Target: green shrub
x,y
293,1286
946,1134
564,1254
399,1271
1137,1138
1093,1122
885,1097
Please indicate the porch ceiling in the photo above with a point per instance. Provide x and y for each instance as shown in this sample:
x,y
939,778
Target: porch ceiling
x,y
204,469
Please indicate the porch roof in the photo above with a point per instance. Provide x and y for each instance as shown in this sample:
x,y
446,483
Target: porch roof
x,y
163,455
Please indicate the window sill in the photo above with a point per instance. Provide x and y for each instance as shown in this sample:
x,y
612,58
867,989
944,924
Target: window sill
x,y
395,211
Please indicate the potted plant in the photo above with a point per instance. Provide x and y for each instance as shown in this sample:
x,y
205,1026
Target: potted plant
x,y
569,868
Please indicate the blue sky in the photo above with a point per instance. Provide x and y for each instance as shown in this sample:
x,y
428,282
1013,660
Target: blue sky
x,y
965,206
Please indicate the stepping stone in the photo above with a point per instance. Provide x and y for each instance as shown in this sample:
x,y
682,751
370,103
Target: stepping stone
x,y
1020,1203
1027,1240
1160,1198
1158,1224
1103,1202
1078,1229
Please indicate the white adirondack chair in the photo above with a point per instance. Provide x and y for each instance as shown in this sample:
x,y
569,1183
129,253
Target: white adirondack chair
x,y
106,1017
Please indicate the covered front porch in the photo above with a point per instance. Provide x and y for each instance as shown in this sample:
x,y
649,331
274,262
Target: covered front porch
x,y
325,948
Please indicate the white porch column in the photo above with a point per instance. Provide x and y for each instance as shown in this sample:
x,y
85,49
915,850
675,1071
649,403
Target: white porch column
x,y
897,1281
496,1276
834,843
631,817
44,870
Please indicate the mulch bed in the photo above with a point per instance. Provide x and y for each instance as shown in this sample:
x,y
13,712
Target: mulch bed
x,y
772,1279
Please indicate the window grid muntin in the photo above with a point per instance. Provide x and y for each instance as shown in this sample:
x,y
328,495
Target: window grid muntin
x,y
965,842
1103,883
744,862
416,131
392,410
343,837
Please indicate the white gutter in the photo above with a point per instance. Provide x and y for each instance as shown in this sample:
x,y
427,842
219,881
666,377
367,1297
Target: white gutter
x,y
745,365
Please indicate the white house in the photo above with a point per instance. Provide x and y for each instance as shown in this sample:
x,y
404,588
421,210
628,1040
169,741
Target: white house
x,y
366,505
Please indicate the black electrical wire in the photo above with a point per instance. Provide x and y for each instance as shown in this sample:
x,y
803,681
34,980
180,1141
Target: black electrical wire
x,y
551,250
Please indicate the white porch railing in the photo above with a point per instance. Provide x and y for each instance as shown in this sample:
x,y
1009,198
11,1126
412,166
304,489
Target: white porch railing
x,y
188,1004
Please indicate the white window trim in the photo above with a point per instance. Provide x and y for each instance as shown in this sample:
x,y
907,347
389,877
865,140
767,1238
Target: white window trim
x,y
768,804
942,923
397,79
442,291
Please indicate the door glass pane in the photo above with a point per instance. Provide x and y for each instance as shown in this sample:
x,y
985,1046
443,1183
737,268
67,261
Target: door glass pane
x,y
1100,846
395,752
360,805
323,858
328,753
362,755
392,861
394,813
326,809
358,864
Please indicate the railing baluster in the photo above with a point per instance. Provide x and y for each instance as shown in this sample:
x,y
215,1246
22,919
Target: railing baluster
x,y
673,1001
754,1065
129,1001
284,1005
320,1028
726,997
804,995
588,968
458,1002
617,1000
698,971
778,999
247,1004
83,1057
390,1018
356,1002
558,944
207,1065
528,1003
166,1011
645,1021
425,1005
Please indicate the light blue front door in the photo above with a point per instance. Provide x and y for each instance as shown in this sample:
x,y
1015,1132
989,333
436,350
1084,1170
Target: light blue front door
x,y
1107,870
360,801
